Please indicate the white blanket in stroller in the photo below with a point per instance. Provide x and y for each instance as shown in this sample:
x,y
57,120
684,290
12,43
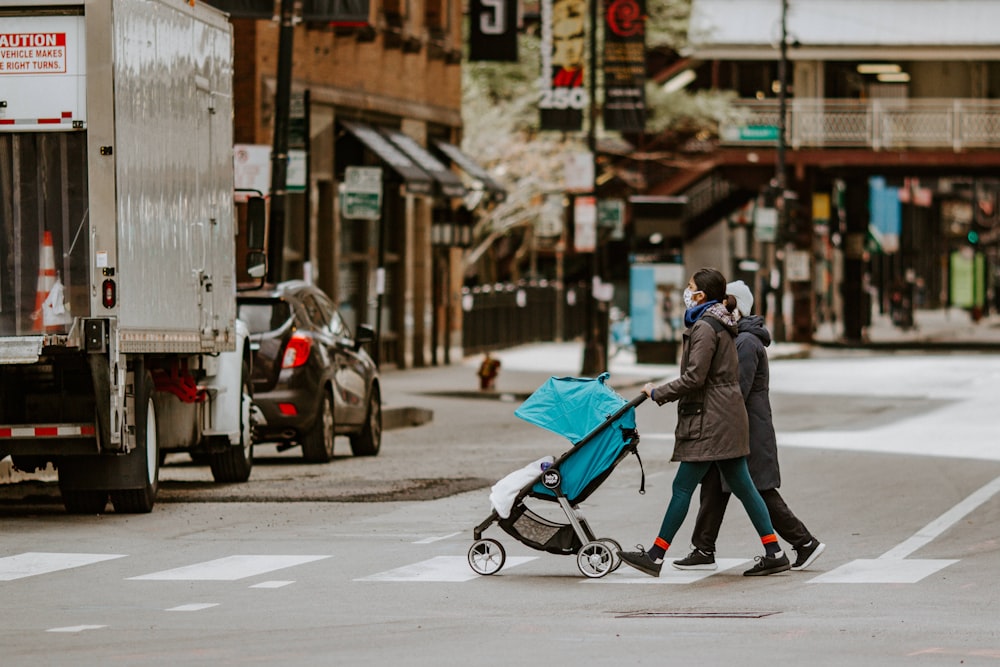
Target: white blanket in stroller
x,y
504,492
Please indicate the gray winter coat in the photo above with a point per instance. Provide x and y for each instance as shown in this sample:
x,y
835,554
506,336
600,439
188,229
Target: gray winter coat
x,y
751,342
711,418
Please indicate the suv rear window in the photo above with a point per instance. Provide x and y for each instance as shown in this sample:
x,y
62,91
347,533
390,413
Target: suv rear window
x,y
264,316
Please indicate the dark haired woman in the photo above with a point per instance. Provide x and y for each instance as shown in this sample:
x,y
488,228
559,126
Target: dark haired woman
x,y
712,426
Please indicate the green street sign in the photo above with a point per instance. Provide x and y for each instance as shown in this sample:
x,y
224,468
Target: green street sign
x,y
361,193
758,133
361,205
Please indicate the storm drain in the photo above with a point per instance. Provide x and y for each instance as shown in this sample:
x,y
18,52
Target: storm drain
x,y
696,614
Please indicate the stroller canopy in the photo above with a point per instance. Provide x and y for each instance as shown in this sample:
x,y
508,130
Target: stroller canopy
x,y
576,408
572,407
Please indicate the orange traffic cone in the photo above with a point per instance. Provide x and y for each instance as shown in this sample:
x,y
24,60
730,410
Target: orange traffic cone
x,y
46,279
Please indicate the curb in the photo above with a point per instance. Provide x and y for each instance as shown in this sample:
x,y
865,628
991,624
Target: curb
x,y
404,417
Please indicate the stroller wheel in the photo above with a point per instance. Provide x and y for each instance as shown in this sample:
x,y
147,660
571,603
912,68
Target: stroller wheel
x,y
615,550
486,556
595,559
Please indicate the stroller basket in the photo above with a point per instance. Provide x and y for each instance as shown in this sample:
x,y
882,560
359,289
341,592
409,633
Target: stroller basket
x,y
540,533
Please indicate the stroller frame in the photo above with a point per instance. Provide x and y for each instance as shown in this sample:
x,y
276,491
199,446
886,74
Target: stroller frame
x,y
596,556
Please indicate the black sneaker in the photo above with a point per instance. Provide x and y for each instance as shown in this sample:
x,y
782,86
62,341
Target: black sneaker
x,y
768,565
697,560
641,561
807,554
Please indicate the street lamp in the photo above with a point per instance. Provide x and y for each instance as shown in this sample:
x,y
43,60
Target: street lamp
x,y
595,351
780,177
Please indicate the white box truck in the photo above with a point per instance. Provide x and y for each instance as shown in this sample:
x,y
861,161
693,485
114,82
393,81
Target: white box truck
x,y
118,332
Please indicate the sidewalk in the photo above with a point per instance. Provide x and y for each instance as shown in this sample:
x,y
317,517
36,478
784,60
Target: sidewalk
x,y
525,368
932,328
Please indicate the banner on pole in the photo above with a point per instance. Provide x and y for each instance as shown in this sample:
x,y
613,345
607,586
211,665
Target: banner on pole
x,y
564,45
625,65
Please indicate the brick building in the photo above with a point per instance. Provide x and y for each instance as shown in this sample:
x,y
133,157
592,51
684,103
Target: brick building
x,y
384,93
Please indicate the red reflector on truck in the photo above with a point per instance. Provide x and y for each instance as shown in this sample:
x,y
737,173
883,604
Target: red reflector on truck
x,y
287,409
110,296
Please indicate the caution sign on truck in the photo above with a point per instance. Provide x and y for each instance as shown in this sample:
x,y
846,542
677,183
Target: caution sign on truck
x,y
42,72
32,53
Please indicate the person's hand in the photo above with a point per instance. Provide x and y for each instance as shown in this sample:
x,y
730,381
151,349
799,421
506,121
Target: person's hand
x,y
648,389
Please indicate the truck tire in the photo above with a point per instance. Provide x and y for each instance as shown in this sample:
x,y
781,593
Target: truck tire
x,y
317,445
368,440
236,462
146,453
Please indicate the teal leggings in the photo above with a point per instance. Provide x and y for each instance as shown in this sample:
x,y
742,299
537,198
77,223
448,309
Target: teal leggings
x,y
736,474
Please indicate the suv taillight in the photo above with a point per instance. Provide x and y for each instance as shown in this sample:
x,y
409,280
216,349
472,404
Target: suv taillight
x,y
297,351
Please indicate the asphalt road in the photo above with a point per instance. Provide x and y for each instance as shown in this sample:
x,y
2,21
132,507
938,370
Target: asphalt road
x,y
365,559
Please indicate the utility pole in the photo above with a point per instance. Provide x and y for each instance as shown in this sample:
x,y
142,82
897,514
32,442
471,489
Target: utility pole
x,y
595,350
780,178
279,150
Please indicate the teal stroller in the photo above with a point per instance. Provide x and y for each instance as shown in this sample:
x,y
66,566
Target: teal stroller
x,y
601,425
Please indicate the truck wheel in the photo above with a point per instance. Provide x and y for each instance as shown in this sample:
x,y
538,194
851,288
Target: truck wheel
x,y
317,445
84,501
368,441
146,454
235,464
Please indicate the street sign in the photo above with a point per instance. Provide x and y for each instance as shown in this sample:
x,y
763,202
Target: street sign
x,y
765,224
361,193
611,215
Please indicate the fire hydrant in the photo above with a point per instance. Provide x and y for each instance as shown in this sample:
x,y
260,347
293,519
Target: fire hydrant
x,y
488,371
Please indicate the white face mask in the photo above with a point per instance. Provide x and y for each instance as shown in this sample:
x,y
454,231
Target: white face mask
x,y
689,297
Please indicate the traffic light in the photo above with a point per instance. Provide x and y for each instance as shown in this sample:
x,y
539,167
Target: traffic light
x,y
972,237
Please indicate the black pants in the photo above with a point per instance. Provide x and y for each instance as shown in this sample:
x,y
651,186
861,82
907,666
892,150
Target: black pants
x,y
713,509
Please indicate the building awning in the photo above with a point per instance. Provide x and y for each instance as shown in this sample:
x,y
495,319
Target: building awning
x,y
417,181
449,184
472,168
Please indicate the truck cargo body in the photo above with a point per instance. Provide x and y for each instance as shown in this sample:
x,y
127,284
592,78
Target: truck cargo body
x,y
118,330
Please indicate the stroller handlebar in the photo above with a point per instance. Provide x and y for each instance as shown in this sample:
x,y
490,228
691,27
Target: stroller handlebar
x,y
637,400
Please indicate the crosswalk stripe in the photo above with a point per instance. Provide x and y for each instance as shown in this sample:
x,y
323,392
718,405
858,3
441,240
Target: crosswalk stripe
x,y
195,606
668,575
272,584
882,571
230,568
76,628
33,563
440,569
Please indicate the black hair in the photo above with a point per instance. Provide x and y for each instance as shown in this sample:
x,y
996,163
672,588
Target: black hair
x,y
713,284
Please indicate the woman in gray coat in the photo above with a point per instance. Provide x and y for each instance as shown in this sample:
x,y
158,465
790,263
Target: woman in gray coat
x,y
751,348
712,427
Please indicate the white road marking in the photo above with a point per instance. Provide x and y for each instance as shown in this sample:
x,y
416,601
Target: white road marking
x,y
272,584
938,526
196,606
891,568
668,575
229,568
76,628
441,568
33,563
882,571
429,540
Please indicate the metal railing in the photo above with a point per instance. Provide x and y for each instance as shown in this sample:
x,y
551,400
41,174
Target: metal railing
x,y
879,124
509,314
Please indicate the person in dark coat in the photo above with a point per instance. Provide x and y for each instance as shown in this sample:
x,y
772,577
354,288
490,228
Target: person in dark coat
x,y
712,429
751,344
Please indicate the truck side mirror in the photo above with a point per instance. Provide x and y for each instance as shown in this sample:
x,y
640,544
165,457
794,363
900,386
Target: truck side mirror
x,y
256,223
